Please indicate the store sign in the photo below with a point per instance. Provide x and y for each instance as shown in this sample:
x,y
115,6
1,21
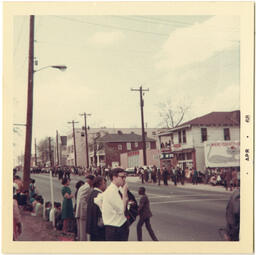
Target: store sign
x,y
222,153
166,155
133,153
177,145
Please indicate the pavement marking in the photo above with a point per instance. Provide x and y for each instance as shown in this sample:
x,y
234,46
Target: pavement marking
x,y
191,200
152,195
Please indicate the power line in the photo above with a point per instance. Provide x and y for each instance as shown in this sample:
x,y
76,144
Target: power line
x,y
110,26
166,22
141,20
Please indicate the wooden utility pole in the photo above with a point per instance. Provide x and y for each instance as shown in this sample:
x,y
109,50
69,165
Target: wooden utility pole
x,y
142,123
28,141
86,138
50,151
74,139
57,148
35,154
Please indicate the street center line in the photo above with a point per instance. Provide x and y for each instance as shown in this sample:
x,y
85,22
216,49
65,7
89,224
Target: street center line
x,y
191,200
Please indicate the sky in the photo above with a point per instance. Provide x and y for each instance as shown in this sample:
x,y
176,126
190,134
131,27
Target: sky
x,y
182,60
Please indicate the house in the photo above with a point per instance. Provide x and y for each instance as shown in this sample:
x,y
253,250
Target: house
x,y
111,146
93,134
185,145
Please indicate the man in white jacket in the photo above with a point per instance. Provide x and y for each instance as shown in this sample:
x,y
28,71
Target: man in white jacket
x,y
81,208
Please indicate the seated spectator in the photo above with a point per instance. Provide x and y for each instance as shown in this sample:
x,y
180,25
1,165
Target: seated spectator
x,y
32,188
58,219
38,210
33,198
48,206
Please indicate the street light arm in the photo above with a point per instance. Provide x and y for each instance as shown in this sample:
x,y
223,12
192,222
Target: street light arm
x,y
60,67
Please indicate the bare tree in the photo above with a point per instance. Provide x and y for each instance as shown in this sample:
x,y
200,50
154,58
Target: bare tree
x,y
43,149
172,116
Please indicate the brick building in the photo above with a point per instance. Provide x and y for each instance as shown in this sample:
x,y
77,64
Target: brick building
x,y
93,135
111,146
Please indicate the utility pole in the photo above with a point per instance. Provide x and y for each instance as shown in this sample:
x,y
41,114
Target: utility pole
x,y
86,138
28,141
57,148
50,151
74,139
35,154
142,123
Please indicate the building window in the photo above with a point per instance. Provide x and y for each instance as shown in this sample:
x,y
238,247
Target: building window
x,y
120,147
136,145
204,134
181,156
179,134
226,134
128,146
153,133
172,138
189,155
184,136
148,145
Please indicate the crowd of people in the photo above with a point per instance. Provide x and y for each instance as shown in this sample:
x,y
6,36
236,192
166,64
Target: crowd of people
x,y
174,174
102,213
105,213
228,177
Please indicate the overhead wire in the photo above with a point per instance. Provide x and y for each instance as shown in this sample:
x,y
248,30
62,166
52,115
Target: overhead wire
x,y
111,26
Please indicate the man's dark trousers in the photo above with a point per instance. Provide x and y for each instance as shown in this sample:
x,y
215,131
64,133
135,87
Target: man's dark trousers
x,y
149,228
117,233
100,237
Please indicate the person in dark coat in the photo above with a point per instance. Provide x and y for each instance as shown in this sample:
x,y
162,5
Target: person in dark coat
x,y
165,176
145,214
233,217
94,224
182,176
159,176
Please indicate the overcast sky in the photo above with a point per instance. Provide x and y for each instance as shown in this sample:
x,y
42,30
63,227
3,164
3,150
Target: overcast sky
x,y
183,59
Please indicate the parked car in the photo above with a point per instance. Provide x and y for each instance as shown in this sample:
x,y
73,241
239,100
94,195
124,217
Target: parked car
x,y
130,170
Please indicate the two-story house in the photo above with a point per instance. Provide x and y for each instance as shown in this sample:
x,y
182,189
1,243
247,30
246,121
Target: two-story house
x,y
111,146
184,146
93,134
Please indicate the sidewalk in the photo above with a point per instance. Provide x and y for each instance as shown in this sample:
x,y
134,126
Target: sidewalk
x,y
200,186
35,228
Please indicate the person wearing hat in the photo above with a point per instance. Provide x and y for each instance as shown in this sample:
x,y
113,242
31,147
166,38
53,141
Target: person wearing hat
x,y
81,207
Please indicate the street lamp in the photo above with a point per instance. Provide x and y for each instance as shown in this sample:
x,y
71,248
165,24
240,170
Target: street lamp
x,y
60,67
28,141
31,71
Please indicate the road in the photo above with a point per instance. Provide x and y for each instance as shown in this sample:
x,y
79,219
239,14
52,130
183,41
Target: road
x,y
179,214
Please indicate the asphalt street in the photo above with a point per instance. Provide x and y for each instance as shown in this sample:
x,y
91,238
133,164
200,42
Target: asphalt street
x,y
179,214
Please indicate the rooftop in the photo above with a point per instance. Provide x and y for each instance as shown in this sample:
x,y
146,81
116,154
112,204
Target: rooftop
x,y
210,119
120,137
216,118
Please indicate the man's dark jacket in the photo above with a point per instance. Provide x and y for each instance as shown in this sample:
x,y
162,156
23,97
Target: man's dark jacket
x,y
144,209
93,214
